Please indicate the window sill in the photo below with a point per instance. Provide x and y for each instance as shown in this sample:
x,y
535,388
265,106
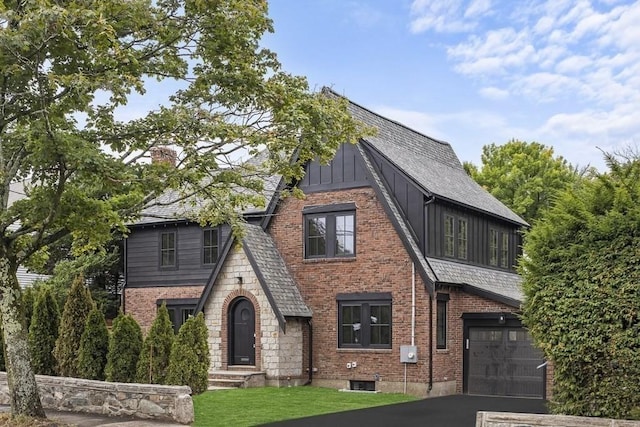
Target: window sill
x,y
364,349
442,351
322,260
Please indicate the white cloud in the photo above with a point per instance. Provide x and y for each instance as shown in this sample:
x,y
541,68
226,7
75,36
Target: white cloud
x,y
494,93
442,16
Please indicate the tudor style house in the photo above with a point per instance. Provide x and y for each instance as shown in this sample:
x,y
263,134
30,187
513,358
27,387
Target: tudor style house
x,y
394,273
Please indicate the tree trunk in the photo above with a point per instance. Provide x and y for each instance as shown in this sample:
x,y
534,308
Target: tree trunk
x,y
25,399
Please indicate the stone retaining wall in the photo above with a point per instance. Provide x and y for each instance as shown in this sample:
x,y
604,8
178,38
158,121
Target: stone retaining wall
x,y
159,402
507,419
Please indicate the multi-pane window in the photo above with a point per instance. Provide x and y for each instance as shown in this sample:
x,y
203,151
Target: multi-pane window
x,y
330,235
493,247
441,321
364,323
449,236
210,246
504,251
455,237
168,249
179,310
462,238
499,248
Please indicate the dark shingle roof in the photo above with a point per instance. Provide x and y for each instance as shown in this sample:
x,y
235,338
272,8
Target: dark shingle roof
x,y
170,207
492,282
272,272
432,164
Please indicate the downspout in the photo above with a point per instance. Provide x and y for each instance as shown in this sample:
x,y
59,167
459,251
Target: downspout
x,y
430,345
413,303
310,353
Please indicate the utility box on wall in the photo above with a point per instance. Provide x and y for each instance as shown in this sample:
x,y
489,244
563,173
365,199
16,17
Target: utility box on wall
x,y
408,354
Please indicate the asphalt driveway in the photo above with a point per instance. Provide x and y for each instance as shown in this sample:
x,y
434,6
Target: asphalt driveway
x,y
449,411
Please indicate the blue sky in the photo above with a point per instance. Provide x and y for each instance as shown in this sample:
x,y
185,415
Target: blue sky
x,y
474,72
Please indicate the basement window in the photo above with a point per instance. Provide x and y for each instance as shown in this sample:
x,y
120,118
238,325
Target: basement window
x,y
362,385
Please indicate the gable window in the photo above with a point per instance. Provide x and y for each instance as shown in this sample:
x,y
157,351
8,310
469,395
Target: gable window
x,y
180,309
455,237
493,247
441,320
364,320
504,251
329,234
210,246
168,249
499,248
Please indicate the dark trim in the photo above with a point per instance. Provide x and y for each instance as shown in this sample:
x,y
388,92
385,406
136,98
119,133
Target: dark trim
x,y
415,257
319,188
473,290
310,323
177,301
336,207
273,203
364,296
492,317
443,297
218,235
330,235
163,284
365,322
173,266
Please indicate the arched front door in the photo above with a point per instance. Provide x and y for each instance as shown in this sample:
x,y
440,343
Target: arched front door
x,y
242,338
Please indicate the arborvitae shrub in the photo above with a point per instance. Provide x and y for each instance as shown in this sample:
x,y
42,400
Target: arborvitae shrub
x,y
43,333
154,358
74,316
124,349
94,344
28,301
189,362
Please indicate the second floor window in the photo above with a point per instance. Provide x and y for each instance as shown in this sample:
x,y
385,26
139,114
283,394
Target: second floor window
x,y
330,235
168,249
499,248
210,246
455,237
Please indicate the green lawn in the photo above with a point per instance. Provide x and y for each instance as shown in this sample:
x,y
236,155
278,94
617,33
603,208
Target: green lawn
x,y
252,406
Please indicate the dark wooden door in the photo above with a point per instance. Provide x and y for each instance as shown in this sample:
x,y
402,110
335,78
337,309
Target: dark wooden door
x,y
242,334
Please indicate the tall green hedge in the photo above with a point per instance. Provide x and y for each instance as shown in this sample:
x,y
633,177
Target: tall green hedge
x,y
581,279
154,358
43,333
74,316
189,362
94,345
124,349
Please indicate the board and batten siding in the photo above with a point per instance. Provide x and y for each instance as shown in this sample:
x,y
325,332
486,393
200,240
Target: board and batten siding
x,y
478,227
343,172
143,256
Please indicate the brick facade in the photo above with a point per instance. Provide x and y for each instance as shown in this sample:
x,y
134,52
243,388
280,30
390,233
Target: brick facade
x,y
141,303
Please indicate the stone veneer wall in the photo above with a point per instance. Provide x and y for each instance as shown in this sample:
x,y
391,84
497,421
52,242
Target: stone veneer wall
x,y
168,403
507,419
279,354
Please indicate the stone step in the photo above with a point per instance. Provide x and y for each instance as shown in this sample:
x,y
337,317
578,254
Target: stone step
x,y
236,379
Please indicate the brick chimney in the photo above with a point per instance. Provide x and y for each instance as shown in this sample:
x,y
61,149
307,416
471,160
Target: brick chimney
x,y
164,154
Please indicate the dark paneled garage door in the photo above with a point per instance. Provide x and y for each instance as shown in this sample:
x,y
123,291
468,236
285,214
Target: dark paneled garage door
x,y
502,361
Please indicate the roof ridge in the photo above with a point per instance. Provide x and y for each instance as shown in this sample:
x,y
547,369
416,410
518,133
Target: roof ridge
x,y
326,89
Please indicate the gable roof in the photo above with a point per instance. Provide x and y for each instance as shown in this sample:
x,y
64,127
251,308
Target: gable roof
x,y
170,206
274,277
430,163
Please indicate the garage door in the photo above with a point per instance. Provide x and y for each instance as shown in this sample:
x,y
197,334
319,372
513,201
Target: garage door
x,y
502,361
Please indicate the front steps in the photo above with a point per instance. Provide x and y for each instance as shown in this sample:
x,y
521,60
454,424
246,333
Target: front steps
x,y
219,380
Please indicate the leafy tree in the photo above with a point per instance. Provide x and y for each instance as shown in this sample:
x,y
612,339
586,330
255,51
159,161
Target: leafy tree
x,y
154,358
525,176
124,349
189,362
94,344
74,316
67,70
43,333
581,275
